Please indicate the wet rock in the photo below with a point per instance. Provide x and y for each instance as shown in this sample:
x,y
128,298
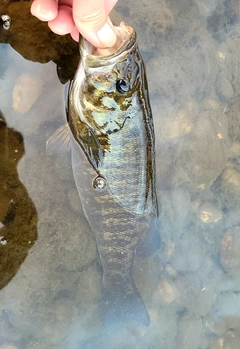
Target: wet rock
x,y
232,217
166,292
55,332
157,19
177,125
224,88
233,122
166,329
170,248
208,152
227,187
229,251
170,270
76,250
176,210
235,149
165,87
146,274
229,341
229,59
25,93
8,331
215,325
189,286
189,332
195,251
210,213
89,287
225,316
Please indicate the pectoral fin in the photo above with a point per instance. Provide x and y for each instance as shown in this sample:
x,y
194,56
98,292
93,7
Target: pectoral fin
x,y
91,147
59,142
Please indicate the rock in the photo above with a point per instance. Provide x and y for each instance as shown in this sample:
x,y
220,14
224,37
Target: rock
x,y
233,123
176,125
225,320
201,158
215,325
232,217
194,253
166,292
227,187
235,149
157,19
176,209
26,91
210,213
189,332
229,251
224,88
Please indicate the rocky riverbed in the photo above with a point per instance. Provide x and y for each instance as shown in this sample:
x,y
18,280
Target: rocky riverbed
x,y
50,284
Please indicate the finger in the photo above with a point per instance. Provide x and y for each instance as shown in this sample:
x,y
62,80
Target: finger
x,y
91,19
45,10
109,5
63,23
75,34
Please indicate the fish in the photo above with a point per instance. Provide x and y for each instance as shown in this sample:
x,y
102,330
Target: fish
x,y
113,161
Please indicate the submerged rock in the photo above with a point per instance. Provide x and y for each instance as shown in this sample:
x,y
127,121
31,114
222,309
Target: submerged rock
x,y
229,251
25,93
227,188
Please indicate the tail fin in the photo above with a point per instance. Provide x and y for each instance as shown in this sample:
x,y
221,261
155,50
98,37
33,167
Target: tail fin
x,y
122,303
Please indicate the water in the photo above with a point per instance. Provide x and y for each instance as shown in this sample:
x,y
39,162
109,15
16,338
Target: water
x,y
50,270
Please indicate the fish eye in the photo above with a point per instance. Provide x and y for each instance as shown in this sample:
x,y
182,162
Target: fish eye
x,y
122,86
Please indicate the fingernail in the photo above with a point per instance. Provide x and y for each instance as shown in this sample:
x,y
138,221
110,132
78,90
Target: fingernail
x,y
106,36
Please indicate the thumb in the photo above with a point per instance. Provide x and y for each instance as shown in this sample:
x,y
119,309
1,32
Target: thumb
x,y
91,19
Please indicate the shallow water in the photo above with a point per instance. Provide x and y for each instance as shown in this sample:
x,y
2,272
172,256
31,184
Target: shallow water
x,y
50,270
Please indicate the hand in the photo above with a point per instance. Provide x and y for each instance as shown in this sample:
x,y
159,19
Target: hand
x,y
89,17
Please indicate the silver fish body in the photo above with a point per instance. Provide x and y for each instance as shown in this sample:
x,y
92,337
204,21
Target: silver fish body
x,y
113,161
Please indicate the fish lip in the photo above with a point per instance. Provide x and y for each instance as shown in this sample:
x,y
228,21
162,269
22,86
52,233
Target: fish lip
x,y
93,61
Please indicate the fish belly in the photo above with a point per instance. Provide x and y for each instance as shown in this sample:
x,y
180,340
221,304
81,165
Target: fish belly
x,y
117,232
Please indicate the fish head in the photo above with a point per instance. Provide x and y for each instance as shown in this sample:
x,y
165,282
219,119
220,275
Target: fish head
x,y
110,83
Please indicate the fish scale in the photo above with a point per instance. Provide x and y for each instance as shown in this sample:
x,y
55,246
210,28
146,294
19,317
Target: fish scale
x,y
112,144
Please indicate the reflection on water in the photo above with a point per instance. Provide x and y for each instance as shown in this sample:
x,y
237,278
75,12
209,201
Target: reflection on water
x,y
18,215
191,286
35,42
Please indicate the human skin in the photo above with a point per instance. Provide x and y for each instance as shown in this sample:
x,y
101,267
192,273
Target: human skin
x,y
89,17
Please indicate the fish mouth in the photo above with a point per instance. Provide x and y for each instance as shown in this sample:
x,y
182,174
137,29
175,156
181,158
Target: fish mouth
x,y
93,57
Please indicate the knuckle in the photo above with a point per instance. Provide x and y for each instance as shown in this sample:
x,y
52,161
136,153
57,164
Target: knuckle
x,y
94,20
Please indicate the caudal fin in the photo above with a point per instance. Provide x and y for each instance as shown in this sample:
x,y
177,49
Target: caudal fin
x,y
122,303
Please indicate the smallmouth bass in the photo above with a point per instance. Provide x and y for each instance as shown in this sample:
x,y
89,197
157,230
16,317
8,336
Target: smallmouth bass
x,y
113,161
